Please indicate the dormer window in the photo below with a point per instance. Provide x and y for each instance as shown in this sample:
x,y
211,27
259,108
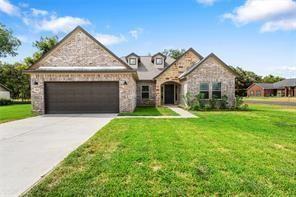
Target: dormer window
x,y
132,61
159,61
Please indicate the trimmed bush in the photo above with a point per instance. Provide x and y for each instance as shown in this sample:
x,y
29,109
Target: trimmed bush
x,y
5,102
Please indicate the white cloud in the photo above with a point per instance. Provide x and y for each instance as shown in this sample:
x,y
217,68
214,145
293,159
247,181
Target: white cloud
x,y
136,32
275,14
285,25
254,10
37,12
8,8
108,39
59,24
206,2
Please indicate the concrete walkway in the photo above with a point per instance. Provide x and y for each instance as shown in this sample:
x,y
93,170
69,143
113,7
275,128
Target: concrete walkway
x,y
31,147
182,114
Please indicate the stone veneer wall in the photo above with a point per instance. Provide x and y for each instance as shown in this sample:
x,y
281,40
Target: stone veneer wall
x,y
172,73
127,93
151,100
211,71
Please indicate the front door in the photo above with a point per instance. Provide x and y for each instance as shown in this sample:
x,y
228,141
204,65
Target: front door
x,y
169,94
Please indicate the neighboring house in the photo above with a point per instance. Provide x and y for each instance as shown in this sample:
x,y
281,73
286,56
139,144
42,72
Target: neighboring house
x,y
4,92
80,75
286,87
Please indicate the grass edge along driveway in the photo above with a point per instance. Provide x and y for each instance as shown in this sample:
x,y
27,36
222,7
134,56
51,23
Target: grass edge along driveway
x,y
221,153
15,112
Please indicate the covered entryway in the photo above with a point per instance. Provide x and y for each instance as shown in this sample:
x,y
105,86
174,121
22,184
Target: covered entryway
x,y
81,97
170,92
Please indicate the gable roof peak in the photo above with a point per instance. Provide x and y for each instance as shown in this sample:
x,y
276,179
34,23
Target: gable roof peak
x,y
32,67
203,60
159,53
195,52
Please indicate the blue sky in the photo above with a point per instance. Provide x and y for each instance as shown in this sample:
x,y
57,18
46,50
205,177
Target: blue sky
x,y
258,35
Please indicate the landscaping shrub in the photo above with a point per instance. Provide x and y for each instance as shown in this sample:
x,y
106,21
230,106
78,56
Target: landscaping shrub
x,y
196,103
21,101
5,102
224,102
213,104
239,103
188,100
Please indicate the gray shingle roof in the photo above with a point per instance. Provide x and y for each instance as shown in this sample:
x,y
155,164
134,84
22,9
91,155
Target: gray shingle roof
x,y
147,70
265,85
278,85
285,83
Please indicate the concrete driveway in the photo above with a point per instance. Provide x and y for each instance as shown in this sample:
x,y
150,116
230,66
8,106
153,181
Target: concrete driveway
x,y
31,147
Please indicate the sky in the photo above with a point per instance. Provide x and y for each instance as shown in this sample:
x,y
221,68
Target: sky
x,y
257,35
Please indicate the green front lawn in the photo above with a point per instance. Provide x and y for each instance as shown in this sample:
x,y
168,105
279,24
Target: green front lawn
x,y
15,112
150,111
219,153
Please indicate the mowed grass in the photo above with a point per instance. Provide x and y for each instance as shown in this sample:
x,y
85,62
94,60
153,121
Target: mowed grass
x,y
150,111
271,99
219,153
15,112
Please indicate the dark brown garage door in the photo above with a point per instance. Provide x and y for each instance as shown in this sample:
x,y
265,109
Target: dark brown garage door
x,y
81,97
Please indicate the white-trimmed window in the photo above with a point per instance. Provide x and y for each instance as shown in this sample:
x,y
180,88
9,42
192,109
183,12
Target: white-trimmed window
x,y
216,90
204,90
145,92
159,61
132,61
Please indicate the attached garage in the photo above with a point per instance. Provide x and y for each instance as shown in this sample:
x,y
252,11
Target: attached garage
x,y
81,97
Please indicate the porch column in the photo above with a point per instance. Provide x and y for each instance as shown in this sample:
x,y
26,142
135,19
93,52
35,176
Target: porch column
x,y
158,94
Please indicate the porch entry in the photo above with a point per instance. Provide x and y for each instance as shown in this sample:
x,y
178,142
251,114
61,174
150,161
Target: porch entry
x,y
170,93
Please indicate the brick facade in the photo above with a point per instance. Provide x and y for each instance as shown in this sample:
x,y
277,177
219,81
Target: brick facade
x,y
210,71
127,91
151,100
79,49
174,71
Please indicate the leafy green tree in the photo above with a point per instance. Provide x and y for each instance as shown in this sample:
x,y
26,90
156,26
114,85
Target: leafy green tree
x,y
8,43
245,79
12,76
174,53
271,79
45,44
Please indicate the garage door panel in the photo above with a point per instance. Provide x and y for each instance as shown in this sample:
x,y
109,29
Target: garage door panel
x,y
82,97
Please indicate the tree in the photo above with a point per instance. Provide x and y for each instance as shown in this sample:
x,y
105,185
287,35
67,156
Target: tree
x,y
12,76
174,53
45,44
8,43
271,79
245,79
